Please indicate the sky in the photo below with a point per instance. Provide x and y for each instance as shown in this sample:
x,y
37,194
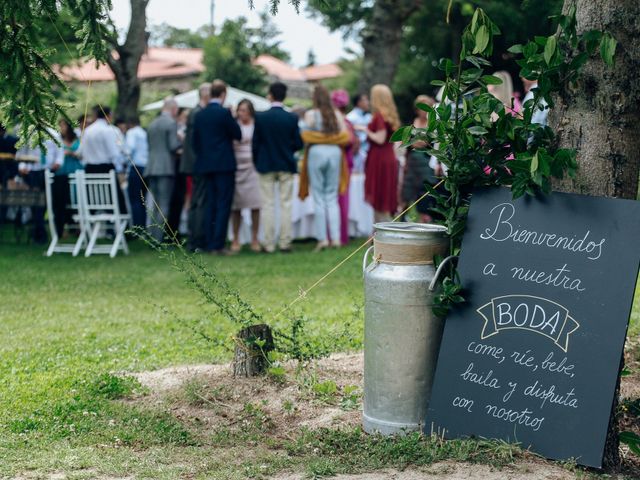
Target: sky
x,y
299,33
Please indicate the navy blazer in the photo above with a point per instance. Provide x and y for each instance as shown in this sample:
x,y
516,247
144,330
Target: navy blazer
x,y
214,130
276,138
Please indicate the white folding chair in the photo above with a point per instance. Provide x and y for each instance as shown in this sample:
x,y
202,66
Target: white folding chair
x,y
56,246
100,210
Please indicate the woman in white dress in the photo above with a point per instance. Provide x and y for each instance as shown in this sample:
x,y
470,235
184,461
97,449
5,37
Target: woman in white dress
x,y
247,192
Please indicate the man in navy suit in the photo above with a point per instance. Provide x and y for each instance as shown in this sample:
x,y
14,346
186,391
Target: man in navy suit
x,y
214,130
276,138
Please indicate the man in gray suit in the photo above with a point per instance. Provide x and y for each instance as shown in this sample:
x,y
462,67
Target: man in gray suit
x,y
161,170
198,197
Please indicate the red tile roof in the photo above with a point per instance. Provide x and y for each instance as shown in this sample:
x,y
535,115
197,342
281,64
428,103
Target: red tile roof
x,y
285,72
320,72
156,63
162,62
279,69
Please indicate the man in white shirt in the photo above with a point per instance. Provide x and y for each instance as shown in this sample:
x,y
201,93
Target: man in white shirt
x,y
541,111
360,118
32,163
137,147
100,151
101,147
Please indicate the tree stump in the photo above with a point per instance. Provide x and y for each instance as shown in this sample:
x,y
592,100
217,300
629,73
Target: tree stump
x,y
252,346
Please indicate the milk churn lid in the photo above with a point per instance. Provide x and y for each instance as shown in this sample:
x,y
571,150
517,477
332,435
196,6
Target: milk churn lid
x,y
407,232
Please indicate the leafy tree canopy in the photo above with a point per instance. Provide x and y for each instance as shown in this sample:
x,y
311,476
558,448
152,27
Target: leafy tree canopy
x,y
169,36
260,39
28,51
228,56
27,80
427,36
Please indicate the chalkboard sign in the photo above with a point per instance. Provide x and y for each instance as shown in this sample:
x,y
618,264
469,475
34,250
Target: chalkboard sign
x,y
533,356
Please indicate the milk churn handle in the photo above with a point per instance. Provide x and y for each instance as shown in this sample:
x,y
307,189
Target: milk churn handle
x,y
364,260
432,285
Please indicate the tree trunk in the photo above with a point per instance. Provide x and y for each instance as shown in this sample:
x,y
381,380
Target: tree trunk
x,y
250,358
382,39
600,117
125,64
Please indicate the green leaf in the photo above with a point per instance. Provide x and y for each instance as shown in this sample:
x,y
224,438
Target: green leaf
x,y
592,39
632,440
424,107
406,135
550,49
474,20
399,134
608,46
515,48
534,164
477,130
481,39
491,80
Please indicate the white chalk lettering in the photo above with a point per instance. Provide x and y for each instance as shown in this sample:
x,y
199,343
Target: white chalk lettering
x,y
489,270
513,416
524,359
553,366
543,278
507,396
504,230
480,378
521,318
463,403
549,395
487,350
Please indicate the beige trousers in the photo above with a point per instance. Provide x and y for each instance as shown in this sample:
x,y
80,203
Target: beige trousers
x,y
268,182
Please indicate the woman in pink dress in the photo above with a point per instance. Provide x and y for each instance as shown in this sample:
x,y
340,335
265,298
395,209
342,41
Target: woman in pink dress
x,y
381,169
247,191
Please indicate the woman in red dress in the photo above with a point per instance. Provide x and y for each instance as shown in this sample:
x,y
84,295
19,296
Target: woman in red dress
x,y
381,169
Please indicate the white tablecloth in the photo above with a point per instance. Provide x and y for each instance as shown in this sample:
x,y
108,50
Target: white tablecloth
x,y
302,214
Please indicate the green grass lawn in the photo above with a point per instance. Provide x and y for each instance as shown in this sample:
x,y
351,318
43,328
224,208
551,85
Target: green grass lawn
x,y
66,321
67,324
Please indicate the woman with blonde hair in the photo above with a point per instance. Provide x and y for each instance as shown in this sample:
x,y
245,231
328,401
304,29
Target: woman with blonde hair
x,y
381,169
504,92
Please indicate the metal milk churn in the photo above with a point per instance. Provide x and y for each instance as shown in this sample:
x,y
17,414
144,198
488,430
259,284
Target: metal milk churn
x,y
402,335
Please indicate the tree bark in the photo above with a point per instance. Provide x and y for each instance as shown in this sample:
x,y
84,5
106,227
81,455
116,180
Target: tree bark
x,y
600,117
250,359
124,63
382,39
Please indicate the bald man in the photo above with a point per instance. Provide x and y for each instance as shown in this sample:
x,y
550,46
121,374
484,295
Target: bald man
x,y
161,167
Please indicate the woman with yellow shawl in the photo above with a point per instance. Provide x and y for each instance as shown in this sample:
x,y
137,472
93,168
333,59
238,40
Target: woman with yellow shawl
x,y
324,167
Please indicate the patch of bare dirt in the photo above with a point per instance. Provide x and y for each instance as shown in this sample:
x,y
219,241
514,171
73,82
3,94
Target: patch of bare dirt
x,y
460,471
210,396
87,473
